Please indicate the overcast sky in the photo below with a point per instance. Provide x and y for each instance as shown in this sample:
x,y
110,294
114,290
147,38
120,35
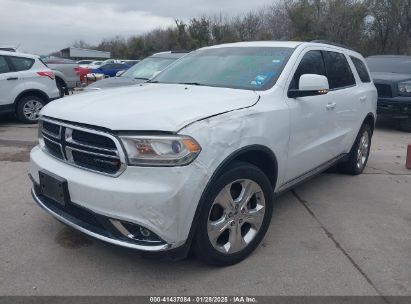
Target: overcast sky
x,y
43,26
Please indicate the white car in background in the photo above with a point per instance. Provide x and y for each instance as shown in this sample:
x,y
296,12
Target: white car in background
x,y
84,63
26,85
95,65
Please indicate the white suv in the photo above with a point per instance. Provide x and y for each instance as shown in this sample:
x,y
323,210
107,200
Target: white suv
x,y
26,85
195,158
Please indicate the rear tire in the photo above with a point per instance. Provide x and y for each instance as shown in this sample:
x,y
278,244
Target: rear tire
x,y
62,88
28,109
358,157
235,215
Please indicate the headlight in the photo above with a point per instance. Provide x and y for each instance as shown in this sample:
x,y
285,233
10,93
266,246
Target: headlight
x,y
160,150
404,88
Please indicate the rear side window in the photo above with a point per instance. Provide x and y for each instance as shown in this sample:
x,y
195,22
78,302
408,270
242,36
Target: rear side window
x,y
4,67
311,63
361,69
338,70
21,63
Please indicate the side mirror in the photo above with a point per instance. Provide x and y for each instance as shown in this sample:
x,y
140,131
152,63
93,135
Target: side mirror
x,y
310,85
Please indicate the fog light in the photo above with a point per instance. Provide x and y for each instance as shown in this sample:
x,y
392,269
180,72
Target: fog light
x,y
144,232
137,232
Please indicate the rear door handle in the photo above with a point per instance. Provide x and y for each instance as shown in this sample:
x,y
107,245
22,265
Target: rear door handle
x,y
12,78
331,105
363,98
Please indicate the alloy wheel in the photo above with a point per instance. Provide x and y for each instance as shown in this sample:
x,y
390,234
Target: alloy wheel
x,y
363,150
31,109
236,216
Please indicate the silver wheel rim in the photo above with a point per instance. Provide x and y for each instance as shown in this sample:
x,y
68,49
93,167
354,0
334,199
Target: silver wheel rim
x,y
363,150
31,109
236,216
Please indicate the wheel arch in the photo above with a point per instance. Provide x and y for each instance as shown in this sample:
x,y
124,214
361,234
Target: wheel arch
x,y
253,154
370,119
30,92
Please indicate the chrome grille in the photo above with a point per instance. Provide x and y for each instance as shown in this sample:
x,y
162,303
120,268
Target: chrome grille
x,y
90,149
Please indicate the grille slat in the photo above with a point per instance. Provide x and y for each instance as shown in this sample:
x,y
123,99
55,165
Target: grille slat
x,y
86,148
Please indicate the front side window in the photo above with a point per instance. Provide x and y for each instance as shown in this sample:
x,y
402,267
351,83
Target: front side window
x,y
21,63
339,73
311,63
248,68
361,69
4,67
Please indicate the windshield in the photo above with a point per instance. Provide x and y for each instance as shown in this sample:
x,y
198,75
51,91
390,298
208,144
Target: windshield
x,y
148,67
249,68
399,65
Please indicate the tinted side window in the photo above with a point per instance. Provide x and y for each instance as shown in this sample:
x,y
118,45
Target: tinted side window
x,y
338,71
21,63
311,63
119,66
361,69
4,67
107,67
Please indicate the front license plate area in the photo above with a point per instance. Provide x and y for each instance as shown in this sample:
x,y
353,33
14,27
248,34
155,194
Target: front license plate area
x,y
54,187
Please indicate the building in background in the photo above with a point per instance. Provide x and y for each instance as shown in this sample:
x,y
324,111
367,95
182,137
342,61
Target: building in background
x,y
78,54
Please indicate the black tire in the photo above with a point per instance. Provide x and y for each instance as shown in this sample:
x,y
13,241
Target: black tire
x,y
62,88
353,165
405,124
24,103
250,175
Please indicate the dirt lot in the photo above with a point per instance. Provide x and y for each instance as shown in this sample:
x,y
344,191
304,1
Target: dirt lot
x,y
335,235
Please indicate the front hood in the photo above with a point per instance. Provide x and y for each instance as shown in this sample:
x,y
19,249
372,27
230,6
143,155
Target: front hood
x,y
389,77
149,107
114,83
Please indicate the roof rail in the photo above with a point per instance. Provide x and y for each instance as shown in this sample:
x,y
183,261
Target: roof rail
x,y
332,43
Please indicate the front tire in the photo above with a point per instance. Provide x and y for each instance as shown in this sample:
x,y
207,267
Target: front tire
x,y
360,152
235,215
28,109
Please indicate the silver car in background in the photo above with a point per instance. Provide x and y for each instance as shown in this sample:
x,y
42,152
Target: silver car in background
x,y
140,72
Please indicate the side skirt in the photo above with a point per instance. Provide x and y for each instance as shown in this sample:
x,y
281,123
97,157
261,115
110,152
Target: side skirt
x,y
310,174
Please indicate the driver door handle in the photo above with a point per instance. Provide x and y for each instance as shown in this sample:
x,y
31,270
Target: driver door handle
x,y
12,78
330,105
363,98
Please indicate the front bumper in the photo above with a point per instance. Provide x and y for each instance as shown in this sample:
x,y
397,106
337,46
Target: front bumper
x,y
396,107
163,200
87,227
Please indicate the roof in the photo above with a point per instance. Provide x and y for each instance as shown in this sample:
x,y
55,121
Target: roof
x,y
170,54
289,44
285,44
16,54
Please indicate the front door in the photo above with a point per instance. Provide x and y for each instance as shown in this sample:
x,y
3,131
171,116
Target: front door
x,y
312,121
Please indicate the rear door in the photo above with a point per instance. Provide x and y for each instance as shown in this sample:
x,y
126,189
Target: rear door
x,y
9,82
345,101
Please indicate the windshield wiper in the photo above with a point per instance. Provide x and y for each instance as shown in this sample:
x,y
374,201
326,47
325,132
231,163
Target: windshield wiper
x,y
192,83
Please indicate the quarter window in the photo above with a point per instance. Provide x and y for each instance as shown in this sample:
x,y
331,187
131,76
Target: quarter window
x,y
361,69
339,73
4,67
311,63
21,63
